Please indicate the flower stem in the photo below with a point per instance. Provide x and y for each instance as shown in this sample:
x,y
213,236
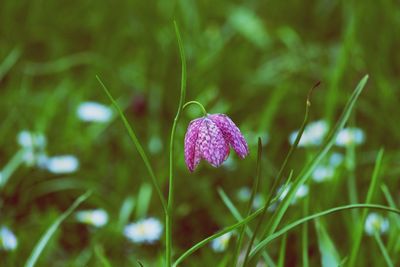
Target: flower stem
x,y
196,103
168,216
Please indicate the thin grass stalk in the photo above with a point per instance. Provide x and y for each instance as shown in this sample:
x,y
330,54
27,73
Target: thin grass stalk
x,y
169,215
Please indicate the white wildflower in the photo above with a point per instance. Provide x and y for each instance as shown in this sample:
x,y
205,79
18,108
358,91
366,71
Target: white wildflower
x,y
144,231
33,147
350,136
97,217
323,173
62,164
313,134
31,140
301,192
221,243
94,112
336,159
8,241
376,223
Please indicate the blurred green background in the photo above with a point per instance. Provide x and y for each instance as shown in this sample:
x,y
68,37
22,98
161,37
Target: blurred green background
x,y
253,60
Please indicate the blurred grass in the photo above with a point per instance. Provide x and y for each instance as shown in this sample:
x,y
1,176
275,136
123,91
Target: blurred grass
x,y
253,60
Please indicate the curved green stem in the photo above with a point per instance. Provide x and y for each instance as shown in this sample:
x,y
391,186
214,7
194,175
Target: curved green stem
x,y
168,217
196,103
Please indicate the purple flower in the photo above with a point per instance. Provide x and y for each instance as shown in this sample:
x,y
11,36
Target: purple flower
x,y
209,138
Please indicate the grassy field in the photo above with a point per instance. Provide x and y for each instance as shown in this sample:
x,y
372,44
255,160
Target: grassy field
x,y
75,190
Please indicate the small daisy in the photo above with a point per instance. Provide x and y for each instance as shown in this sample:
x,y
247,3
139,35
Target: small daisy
x,y
323,173
94,112
350,136
313,134
221,243
62,164
8,241
97,217
31,140
144,231
33,146
376,223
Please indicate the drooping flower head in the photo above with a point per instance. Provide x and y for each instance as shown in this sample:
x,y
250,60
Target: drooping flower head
x,y
210,137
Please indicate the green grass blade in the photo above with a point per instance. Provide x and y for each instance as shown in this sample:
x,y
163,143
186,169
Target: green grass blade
x,y
126,210
393,240
39,247
60,65
205,241
9,62
282,250
11,167
143,200
383,249
329,255
309,168
281,173
360,227
292,225
137,144
250,204
235,212
98,250
304,234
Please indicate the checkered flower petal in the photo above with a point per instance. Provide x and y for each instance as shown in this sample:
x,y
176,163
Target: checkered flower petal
x,y
210,137
231,133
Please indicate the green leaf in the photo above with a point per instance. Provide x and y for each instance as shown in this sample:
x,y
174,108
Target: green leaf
x,y
250,204
309,168
235,212
329,255
137,144
143,200
371,190
39,247
281,261
98,250
294,224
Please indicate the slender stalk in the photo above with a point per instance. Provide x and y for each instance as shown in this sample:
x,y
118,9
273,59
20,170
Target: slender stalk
x,y
279,178
196,103
168,217
383,249
250,204
304,234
